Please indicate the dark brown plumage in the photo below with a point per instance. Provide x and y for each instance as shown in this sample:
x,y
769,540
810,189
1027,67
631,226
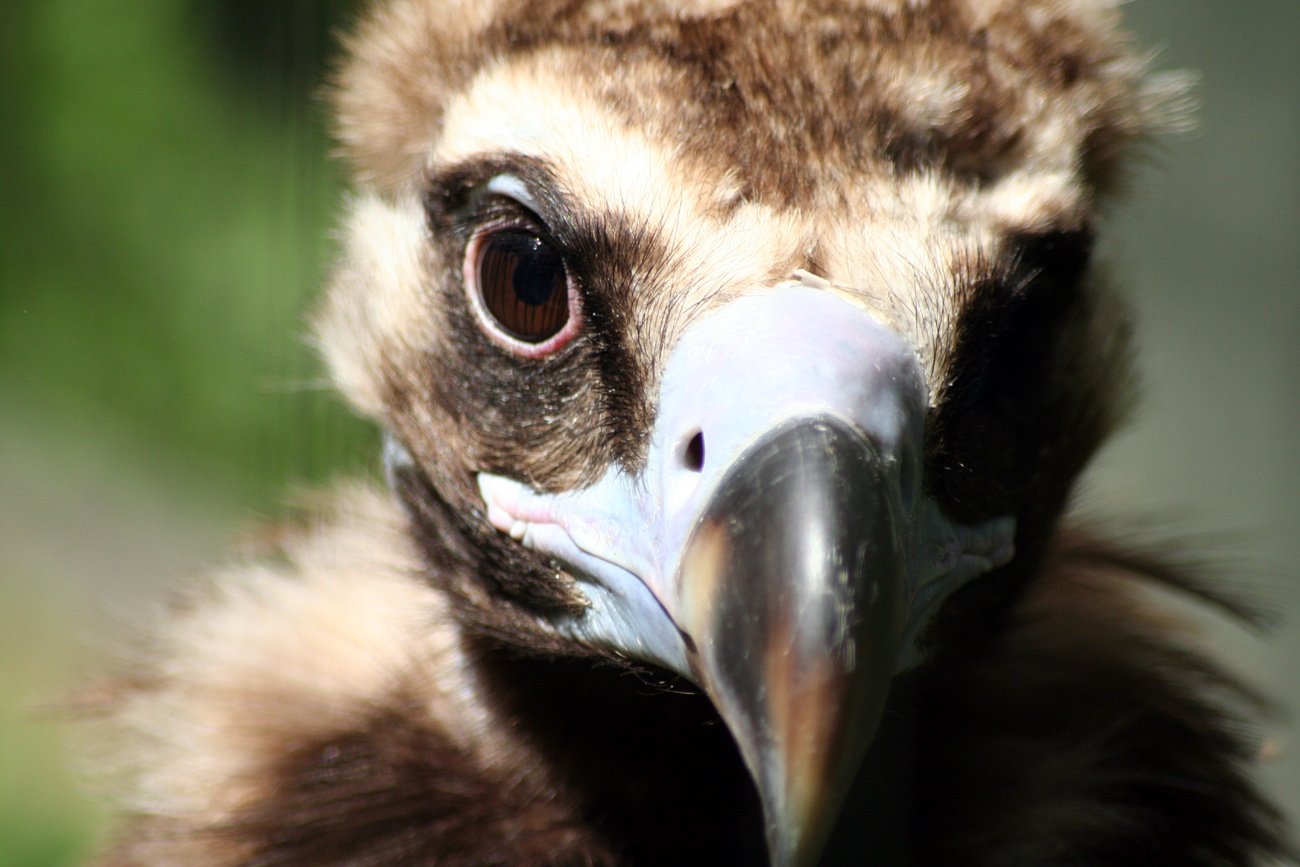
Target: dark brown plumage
x,y
492,663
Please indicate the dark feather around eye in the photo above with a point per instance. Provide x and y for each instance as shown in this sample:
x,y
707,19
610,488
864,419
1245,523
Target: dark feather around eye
x,y
990,416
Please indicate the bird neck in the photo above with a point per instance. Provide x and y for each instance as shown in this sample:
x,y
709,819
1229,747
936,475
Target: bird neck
x,y
643,755
640,754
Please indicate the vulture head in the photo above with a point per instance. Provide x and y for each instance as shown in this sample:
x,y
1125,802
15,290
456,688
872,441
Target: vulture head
x,y
736,362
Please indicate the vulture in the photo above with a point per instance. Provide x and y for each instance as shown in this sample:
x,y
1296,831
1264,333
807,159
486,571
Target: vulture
x,y
736,362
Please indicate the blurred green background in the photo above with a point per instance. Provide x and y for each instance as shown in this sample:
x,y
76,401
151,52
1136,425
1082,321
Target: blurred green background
x,y
166,205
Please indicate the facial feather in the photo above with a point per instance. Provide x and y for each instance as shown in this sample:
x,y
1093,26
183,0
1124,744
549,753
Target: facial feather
x,y
889,148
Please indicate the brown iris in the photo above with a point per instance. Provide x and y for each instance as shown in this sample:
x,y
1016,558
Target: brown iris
x,y
523,284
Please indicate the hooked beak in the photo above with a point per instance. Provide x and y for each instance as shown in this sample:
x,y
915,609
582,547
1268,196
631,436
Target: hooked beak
x,y
776,548
792,581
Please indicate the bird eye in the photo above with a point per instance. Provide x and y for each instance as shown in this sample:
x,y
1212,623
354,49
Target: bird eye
x,y
521,284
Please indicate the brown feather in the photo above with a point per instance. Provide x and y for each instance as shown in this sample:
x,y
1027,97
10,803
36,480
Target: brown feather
x,y
1088,734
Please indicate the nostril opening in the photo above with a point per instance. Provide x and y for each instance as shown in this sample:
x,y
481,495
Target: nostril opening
x,y
693,453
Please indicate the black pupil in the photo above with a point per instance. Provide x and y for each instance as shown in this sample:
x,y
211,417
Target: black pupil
x,y
523,285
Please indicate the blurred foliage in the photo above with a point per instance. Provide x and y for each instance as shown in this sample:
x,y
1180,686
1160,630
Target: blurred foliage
x,y
42,822
167,206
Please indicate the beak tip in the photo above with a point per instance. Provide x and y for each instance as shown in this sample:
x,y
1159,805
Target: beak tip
x,y
790,846
797,651
801,812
